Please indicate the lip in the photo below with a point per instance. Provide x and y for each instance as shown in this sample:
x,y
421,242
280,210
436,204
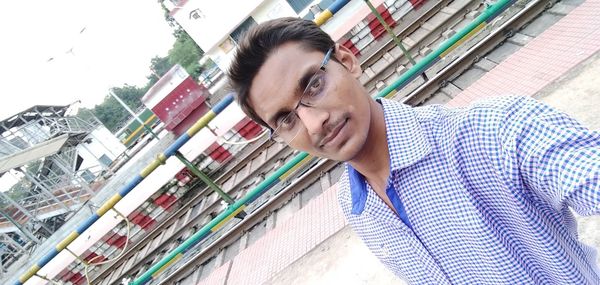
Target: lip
x,y
334,133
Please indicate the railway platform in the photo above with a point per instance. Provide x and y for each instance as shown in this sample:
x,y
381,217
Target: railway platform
x,y
314,245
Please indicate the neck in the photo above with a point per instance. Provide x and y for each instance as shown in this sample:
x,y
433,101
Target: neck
x,y
373,159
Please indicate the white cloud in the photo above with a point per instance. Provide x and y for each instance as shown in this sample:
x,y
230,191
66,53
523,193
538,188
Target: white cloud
x,y
48,60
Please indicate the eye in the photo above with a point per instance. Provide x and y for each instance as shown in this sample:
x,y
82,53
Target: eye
x,y
315,85
286,121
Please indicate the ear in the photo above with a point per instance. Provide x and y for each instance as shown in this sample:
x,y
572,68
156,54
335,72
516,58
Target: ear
x,y
348,60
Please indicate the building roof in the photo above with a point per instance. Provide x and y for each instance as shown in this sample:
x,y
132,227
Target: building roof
x,y
34,153
31,114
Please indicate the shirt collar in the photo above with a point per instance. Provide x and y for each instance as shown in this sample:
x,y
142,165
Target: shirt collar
x,y
407,145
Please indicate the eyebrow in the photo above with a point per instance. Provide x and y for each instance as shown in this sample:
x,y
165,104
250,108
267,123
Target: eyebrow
x,y
302,83
305,78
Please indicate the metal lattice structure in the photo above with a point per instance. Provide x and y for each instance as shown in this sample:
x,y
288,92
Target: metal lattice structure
x,y
38,147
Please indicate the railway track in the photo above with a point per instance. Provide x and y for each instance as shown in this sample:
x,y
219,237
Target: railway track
x,y
437,23
195,211
264,209
382,63
442,75
484,56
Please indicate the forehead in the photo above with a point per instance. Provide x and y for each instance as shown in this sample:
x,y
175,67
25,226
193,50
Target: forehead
x,y
276,84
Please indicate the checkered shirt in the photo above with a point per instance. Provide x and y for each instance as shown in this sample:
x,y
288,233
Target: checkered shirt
x,y
488,192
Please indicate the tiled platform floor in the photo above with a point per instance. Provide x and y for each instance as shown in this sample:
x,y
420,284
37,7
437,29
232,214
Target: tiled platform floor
x,y
544,59
283,245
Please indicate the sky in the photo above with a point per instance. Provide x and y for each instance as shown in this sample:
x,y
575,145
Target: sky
x,y
59,52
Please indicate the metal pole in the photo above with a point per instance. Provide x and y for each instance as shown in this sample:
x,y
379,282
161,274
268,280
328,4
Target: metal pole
x,y
222,218
13,242
394,37
446,47
84,184
24,210
44,189
390,32
55,180
133,114
179,156
208,182
26,232
329,12
204,178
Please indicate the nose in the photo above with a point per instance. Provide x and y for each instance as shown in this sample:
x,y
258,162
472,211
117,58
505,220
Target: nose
x,y
314,119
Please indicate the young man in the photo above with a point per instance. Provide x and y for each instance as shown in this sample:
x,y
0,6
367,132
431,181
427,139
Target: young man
x,y
478,195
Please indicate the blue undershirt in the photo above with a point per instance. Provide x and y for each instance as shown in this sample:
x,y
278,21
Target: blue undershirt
x,y
358,187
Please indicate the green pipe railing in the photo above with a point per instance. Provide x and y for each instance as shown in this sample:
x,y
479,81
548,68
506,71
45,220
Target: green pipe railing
x,y
446,47
222,218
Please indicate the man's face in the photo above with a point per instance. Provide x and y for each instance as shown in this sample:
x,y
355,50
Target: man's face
x,y
336,126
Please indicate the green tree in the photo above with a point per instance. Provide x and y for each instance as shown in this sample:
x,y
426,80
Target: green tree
x,y
85,114
158,67
170,20
131,95
186,53
111,113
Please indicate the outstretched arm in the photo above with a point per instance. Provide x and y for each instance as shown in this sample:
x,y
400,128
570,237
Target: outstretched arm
x,y
557,157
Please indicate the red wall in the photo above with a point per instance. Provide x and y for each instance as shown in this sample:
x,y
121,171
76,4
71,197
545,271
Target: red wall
x,y
183,106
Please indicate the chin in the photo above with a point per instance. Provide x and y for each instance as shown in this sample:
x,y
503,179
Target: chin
x,y
346,152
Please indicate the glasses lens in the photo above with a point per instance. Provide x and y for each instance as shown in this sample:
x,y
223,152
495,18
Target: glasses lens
x,y
287,139
286,127
314,88
273,136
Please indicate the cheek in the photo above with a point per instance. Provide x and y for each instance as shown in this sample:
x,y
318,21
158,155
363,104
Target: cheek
x,y
358,101
302,143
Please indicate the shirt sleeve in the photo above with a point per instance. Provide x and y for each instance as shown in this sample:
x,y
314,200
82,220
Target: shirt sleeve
x,y
555,156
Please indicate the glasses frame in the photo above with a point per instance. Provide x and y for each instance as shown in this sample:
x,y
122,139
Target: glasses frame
x,y
294,112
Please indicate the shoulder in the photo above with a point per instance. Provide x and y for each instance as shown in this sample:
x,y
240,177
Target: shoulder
x,y
519,112
482,114
487,118
506,102
496,111
478,110
501,105
515,107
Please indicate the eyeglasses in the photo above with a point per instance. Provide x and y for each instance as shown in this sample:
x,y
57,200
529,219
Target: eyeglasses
x,y
288,126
